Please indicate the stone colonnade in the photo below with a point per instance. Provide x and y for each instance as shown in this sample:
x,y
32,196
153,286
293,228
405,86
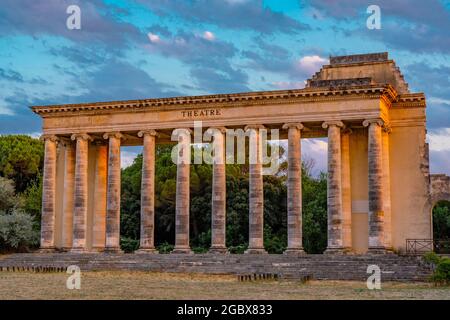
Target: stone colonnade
x,y
75,207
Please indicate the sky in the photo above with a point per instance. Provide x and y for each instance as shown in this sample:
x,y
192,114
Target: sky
x,y
159,48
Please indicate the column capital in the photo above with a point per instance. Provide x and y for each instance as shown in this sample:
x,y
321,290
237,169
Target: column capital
x,y
82,136
377,121
66,142
150,132
253,127
330,123
176,131
294,125
50,137
114,134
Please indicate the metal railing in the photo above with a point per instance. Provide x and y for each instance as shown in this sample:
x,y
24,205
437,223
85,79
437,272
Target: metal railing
x,y
421,246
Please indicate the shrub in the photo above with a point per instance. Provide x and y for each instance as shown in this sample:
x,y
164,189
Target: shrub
x,y
441,268
7,195
165,247
129,245
239,249
16,231
441,274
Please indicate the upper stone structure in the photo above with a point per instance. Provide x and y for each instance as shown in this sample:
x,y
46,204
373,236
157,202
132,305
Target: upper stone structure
x,y
359,69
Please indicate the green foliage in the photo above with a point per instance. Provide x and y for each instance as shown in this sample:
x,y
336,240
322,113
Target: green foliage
x,y
275,202
441,220
129,245
314,212
441,272
239,249
431,257
21,159
165,247
16,231
32,199
7,195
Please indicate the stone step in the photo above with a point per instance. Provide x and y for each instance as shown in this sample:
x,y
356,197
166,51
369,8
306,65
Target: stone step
x,y
335,267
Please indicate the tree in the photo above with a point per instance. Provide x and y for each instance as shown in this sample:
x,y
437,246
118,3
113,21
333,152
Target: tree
x,y
441,220
275,205
21,159
7,195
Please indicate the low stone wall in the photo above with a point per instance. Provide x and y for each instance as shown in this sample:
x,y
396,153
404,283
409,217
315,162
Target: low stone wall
x,y
320,267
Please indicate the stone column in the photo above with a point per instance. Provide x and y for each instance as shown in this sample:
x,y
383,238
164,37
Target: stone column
x,y
147,242
218,219
387,188
183,160
346,190
48,195
294,189
256,192
68,205
113,193
334,188
81,192
101,176
376,207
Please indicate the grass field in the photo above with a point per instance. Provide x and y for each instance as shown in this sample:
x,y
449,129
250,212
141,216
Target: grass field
x,y
145,285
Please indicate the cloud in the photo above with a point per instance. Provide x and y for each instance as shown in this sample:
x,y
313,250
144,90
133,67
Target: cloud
x,y
127,157
234,14
154,38
439,139
209,61
99,22
440,161
10,75
120,80
315,150
310,64
414,25
435,82
208,35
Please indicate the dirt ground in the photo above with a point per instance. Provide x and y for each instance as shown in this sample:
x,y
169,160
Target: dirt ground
x,y
146,285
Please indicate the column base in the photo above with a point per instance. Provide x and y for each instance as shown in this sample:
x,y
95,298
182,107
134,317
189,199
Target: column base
x,y
218,250
379,250
97,249
182,251
47,250
255,251
146,251
112,250
337,251
294,252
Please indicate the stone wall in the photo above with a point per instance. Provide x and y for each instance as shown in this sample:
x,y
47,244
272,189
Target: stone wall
x,y
439,185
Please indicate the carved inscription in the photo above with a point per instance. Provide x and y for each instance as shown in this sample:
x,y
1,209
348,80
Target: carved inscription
x,y
201,113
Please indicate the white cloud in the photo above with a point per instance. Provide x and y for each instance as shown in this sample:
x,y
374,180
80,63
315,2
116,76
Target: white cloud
x,y
438,100
154,38
311,64
208,35
127,158
439,139
317,151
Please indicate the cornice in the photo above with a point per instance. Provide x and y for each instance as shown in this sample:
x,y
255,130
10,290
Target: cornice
x,y
386,92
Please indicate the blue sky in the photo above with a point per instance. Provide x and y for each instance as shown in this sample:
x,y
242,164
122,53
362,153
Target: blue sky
x,y
159,48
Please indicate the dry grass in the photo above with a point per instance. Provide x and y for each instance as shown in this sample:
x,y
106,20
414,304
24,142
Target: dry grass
x,y
145,285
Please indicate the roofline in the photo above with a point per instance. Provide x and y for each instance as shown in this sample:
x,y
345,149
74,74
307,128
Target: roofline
x,y
384,89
